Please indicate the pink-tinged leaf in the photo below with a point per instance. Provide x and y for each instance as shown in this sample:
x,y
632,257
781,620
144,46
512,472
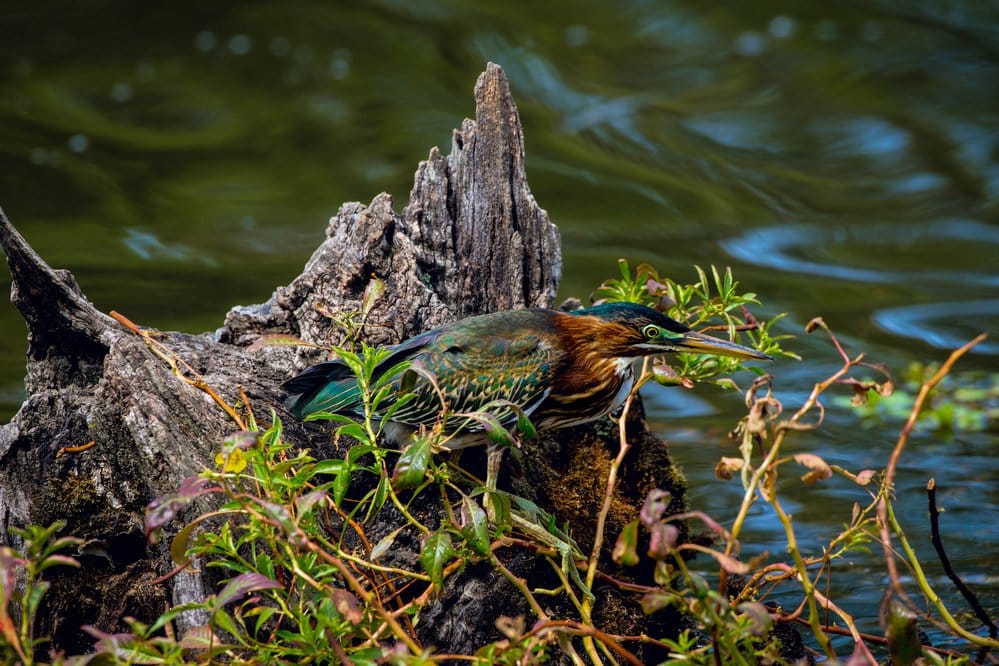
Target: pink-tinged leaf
x,y
347,605
864,476
163,509
708,521
58,560
819,469
727,562
760,621
662,540
241,440
657,600
655,505
626,547
305,503
278,513
9,631
242,585
494,429
199,638
727,468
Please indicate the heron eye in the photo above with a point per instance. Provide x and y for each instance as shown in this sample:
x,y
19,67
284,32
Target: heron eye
x,y
651,331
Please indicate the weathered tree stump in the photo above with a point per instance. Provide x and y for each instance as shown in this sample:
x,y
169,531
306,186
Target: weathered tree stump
x,y
470,240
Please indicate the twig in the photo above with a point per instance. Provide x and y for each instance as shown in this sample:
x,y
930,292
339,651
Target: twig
x,y
886,513
175,362
972,599
586,630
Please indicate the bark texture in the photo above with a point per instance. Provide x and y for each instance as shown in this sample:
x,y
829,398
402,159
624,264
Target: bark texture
x,y
470,240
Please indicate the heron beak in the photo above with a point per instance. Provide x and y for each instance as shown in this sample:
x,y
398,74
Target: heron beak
x,y
697,343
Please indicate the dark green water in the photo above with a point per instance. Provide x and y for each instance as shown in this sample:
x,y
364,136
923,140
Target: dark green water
x,y
182,158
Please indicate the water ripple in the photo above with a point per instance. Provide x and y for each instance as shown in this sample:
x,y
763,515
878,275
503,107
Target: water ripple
x,y
929,322
808,250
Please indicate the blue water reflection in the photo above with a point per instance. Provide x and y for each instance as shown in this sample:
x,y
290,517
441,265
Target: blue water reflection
x,y
939,324
833,251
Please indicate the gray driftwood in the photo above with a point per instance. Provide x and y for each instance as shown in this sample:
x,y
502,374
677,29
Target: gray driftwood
x,y
470,240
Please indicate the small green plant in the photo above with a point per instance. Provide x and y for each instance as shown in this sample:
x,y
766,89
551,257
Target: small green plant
x,y
22,587
710,304
301,581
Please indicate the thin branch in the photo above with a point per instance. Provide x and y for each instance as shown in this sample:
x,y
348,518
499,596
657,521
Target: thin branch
x,y
972,599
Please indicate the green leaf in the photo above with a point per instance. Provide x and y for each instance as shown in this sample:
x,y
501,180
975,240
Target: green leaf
x,y
378,498
353,430
500,506
475,526
411,468
38,591
341,484
626,547
437,551
178,545
224,621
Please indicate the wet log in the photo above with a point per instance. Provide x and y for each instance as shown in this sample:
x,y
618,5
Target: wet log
x,y
471,240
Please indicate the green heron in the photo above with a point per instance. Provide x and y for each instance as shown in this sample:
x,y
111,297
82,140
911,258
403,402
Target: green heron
x,y
558,368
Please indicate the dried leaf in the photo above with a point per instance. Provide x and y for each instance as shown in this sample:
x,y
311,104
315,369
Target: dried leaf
x,y
815,323
819,469
511,627
727,468
372,292
385,543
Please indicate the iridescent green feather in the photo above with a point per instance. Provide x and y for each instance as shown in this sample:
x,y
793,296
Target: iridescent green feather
x,y
506,357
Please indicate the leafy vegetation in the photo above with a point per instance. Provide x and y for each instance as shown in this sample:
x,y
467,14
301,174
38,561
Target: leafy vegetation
x,y
302,581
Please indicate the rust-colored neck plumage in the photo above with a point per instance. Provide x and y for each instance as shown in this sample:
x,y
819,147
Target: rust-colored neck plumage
x,y
593,375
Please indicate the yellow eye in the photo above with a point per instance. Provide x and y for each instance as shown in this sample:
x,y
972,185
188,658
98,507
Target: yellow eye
x,y
651,331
